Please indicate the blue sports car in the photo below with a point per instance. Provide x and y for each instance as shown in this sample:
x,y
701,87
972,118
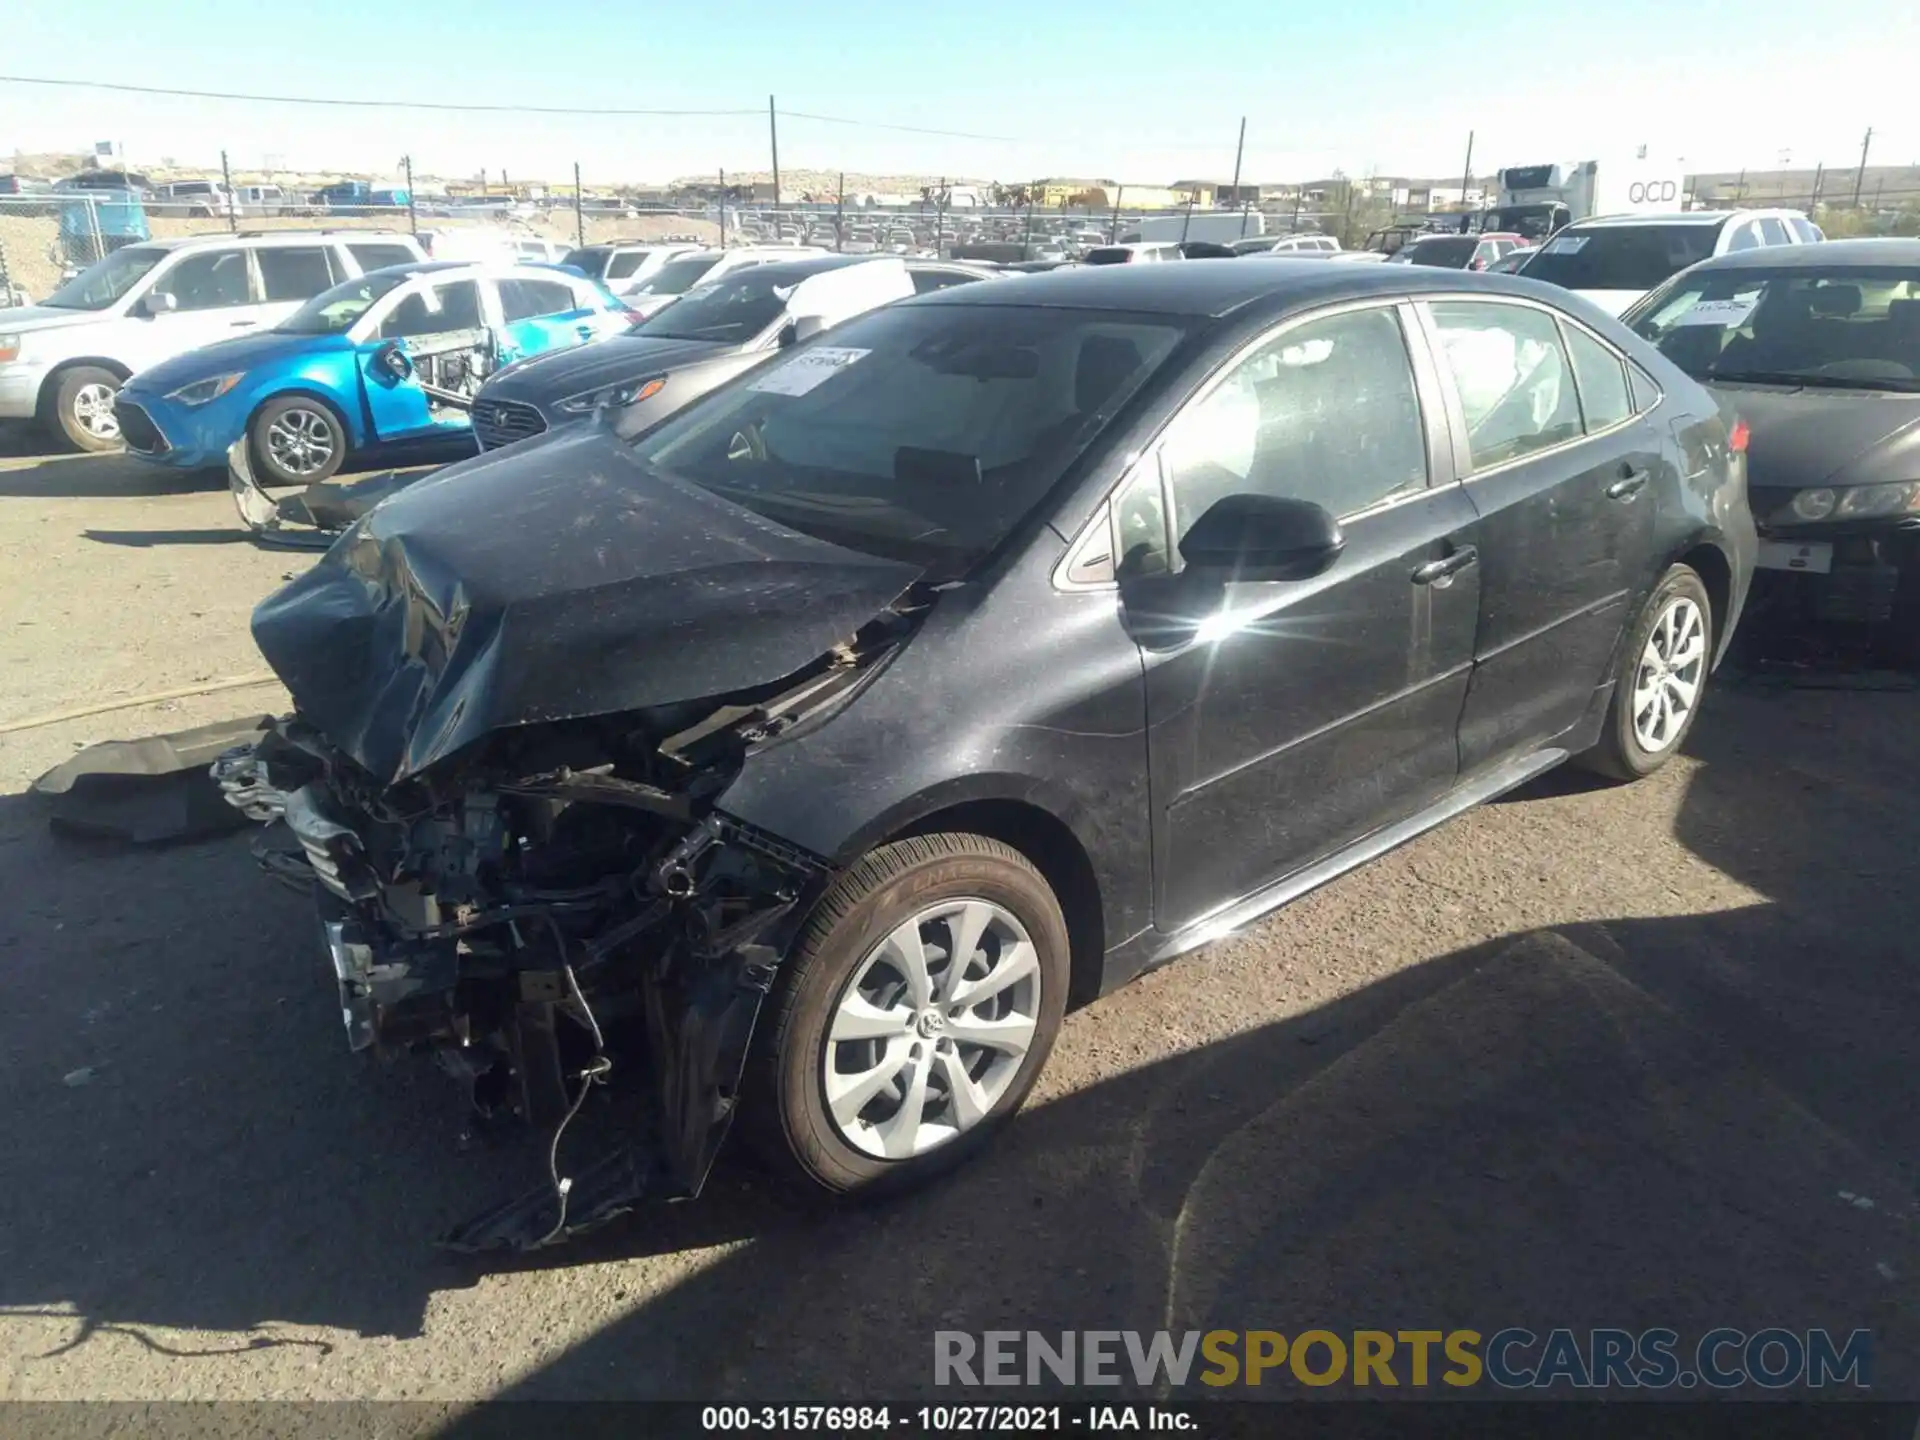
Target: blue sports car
x,y
396,354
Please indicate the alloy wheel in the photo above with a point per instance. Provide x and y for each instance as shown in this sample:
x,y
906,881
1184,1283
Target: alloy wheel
x,y
93,408
301,441
932,1028
1672,669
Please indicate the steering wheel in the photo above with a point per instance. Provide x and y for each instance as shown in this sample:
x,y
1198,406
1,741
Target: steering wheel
x,y
748,444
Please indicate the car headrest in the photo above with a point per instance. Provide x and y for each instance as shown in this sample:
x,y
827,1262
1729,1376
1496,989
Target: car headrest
x,y
1106,362
1835,302
1904,315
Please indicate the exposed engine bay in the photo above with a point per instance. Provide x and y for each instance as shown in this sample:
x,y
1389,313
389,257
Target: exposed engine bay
x,y
558,908
450,366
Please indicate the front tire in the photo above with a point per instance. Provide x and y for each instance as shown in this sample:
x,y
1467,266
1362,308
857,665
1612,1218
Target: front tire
x,y
912,1017
1664,665
80,409
297,440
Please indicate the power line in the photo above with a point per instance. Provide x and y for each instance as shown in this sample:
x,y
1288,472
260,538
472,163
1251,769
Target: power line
x,y
595,110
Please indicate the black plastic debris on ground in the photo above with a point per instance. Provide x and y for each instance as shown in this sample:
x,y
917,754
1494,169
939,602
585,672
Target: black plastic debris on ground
x,y
147,792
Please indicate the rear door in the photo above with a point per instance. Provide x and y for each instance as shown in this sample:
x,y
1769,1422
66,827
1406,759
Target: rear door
x,y
1562,475
288,276
538,315
1287,718
430,335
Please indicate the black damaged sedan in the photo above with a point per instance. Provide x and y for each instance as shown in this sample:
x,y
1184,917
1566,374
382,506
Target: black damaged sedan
x,y
806,758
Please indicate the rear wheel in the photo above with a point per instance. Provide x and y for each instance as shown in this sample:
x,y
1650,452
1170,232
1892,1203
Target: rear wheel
x,y
913,1016
1662,679
297,440
80,409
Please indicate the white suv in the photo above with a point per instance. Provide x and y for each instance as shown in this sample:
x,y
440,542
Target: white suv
x,y
1616,259
683,272
62,360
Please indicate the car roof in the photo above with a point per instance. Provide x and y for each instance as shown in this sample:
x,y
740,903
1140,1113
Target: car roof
x,y
1220,289
1826,255
800,267
269,237
530,270
1675,217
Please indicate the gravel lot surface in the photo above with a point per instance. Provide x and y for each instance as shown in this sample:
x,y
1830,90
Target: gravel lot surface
x,y
1589,1056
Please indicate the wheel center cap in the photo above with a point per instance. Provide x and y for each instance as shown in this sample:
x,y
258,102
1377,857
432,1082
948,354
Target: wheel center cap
x,y
930,1024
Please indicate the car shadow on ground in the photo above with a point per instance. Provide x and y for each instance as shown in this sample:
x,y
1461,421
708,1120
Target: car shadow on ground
x,y
1642,1122
56,476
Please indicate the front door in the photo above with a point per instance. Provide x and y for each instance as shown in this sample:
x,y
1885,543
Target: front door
x,y
1561,472
542,315
432,349
1287,718
213,299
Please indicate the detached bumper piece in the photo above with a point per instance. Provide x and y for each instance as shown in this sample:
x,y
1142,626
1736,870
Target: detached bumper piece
x,y
546,933
311,518
147,792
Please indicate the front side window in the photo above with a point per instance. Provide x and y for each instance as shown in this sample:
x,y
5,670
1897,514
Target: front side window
x,y
1853,328
1773,232
378,257
920,433
1325,411
294,272
676,277
1515,384
435,310
1744,237
209,280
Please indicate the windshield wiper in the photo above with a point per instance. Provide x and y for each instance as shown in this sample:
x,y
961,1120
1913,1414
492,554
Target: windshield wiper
x,y
1811,382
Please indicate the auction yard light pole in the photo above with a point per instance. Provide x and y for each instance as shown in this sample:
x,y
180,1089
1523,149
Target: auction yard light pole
x,y
1860,175
226,180
1466,174
773,138
579,219
723,207
413,218
1239,150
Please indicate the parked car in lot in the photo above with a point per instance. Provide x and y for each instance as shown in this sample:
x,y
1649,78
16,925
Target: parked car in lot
x,y
1263,244
1510,263
683,272
788,764
715,331
62,360
1137,253
622,267
393,355
1818,347
1615,260
1456,252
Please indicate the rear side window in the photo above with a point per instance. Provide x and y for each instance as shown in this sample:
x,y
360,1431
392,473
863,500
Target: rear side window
x,y
295,272
453,306
378,257
1744,237
1515,383
525,299
622,266
1646,394
1773,232
1602,378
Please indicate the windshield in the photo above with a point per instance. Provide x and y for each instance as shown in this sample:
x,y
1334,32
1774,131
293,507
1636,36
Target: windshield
x,y
676,277
1535,222
730,311
333,312
591,262
1451,251
923,433
1851,329
105,281
1621,257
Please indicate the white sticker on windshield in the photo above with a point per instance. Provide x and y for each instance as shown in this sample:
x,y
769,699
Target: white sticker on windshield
x,y
1567,245
1730,313
806,370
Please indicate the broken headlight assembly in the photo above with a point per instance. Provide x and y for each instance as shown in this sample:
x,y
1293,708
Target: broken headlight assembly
x,y
1849,502
630,392
204,392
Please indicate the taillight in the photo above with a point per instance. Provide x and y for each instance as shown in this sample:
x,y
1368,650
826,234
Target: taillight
x,y
1737,438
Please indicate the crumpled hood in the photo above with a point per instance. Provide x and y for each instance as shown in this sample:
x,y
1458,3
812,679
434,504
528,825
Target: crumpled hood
x,y
222,356
542,379
555,580
1799,438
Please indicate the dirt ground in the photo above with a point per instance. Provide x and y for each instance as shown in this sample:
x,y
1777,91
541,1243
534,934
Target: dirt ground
x,y
1589,1056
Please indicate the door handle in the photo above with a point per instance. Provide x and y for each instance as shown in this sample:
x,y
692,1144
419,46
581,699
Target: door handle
x,y
1441,569
242,324
585,332
1628,485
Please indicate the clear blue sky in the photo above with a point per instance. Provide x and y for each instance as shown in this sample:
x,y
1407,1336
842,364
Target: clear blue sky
x,y
1141,92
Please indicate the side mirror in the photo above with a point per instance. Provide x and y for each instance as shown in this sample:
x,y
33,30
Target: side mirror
x,y
160,302
392,359
802,327
1263,537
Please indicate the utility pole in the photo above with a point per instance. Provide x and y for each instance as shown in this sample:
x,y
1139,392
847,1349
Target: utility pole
x,y
1186,221
1026,241
226,180
773,137
1114,233
413,220
1860,175
723,207
1299,194
1814,202
1466,177
840,216
579,216
1239,150
939,217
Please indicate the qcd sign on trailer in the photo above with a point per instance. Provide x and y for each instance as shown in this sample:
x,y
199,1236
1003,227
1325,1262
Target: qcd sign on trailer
x,y
1653,192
